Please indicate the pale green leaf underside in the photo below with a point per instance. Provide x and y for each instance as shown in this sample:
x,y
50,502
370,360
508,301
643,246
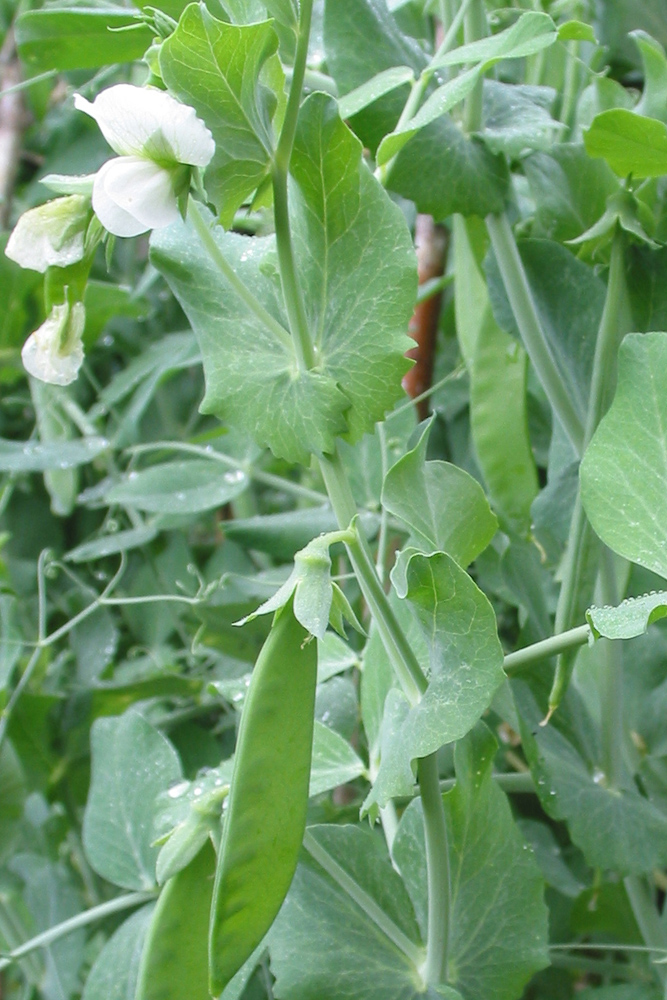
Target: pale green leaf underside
x,y
334,761
357,273
624,471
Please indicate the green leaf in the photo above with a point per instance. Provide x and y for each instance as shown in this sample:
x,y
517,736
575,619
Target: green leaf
x,y
266,813
653,102
570,190
131,763
444,172
498,372
104,301
630,143
498,920
217,68
576,31
624,470
358,307
11,642
564,761
282,535
465,669
531,33
629,619
33,456
444,507
334,761
114,972
79,38
379,85
348,26
110,545
179,487
347,927
517,118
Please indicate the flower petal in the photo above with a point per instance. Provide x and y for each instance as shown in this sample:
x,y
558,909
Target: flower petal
x,y
144,121
132,195
51,234
54,352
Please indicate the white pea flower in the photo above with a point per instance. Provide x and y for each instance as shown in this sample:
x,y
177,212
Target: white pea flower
x,y
51,235
54,352
155,136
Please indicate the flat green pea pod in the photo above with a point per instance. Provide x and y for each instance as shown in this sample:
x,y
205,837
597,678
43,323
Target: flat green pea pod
x,y
266,812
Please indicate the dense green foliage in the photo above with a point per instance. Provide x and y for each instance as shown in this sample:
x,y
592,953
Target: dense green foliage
x,y
301,698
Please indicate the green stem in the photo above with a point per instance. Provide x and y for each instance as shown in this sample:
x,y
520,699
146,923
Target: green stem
x,y
437,870
611,685
402,658
648,919
530,327
296,312
80,920
476,27
570,84
582,545
555,644
203,230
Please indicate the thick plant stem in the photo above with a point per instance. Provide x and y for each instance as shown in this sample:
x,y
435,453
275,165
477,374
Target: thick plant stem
x,y
229,274
437,869
530,327
296,312
611,685
583,546
522,658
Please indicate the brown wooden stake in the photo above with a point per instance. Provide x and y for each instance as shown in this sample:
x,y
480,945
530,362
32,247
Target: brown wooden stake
x,y
431,245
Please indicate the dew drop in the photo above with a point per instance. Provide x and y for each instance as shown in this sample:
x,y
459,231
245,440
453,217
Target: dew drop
x,y
180,788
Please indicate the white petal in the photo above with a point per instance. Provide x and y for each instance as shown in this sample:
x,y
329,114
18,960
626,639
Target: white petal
x,y
144,121
54,352
132,195
51,234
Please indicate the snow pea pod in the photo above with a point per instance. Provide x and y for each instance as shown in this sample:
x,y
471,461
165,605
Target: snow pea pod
x,y
266,811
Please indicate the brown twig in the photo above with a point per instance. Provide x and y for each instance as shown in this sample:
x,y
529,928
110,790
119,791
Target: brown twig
x,y
431,245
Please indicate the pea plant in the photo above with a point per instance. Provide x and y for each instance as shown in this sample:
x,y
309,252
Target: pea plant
x,y
333,509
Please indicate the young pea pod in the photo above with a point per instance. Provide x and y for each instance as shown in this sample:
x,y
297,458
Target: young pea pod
x,y
266,812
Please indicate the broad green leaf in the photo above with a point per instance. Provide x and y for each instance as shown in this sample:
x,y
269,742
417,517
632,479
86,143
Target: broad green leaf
x,y
569,298
379,85
444,172
347,927
624,470
334,657
570,190
465,669
179,487
576,31
627,991
104,301
343,218
517,118
266,813
79,37
110,545
630,143
572,787
352,61
549,856
498,920
217,69
629,619
114,972
334,761
12,782
498,371
531,33
33,456
653,102
131,763
282,535
444,507
647,286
